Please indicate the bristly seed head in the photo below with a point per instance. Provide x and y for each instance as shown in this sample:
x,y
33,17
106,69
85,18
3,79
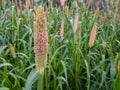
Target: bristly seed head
x,y
93,35
40,39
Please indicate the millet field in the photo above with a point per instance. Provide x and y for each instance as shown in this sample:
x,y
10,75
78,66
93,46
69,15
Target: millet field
x,y
63,45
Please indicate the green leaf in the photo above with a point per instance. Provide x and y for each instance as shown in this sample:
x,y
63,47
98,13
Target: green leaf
x,y
33,76
5,64
117,82
4,88
88,75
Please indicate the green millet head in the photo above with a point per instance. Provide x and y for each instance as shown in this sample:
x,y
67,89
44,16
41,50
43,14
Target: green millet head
x,y
40,18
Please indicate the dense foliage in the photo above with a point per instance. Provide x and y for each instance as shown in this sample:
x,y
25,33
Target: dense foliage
x,y
72,64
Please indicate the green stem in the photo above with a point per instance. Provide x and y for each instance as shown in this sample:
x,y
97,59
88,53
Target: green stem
x,y
40,83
